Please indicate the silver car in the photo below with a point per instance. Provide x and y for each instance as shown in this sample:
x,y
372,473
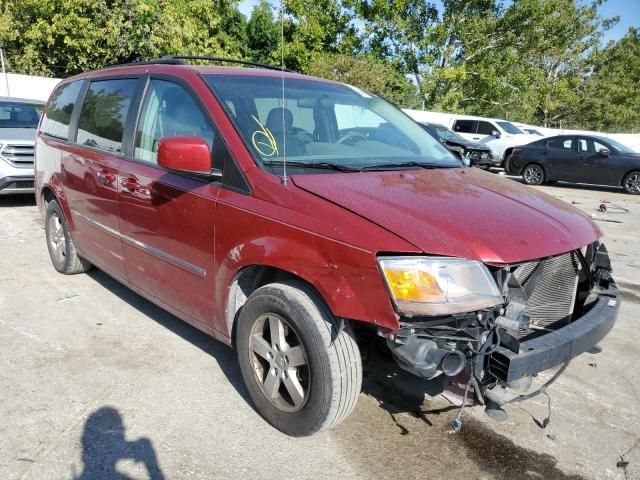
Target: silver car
x,y
18,123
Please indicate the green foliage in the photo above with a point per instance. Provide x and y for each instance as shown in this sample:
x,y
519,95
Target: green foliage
x,y
367,73
263,34
610,98
537,61
64,37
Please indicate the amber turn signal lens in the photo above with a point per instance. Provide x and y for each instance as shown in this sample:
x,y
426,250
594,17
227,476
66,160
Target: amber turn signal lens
x,y
413,286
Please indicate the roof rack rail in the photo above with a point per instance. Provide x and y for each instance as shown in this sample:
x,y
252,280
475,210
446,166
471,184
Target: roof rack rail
x,y
168,61
178,59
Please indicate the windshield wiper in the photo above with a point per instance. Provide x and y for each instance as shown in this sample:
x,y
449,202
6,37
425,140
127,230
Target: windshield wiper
x,y
323,165
389,166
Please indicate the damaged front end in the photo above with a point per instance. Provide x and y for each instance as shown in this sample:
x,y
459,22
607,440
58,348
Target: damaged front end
x,y
549,311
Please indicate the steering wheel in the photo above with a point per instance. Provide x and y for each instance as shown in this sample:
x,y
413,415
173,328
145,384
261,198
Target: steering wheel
x,y
351,134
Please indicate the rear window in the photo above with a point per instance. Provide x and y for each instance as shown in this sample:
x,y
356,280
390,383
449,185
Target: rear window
x,y
58,115
104,113
560,143
510,128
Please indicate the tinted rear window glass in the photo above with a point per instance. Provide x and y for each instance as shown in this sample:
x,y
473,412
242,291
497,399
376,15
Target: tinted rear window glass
x,y
58,116
465,126
104,113
560,143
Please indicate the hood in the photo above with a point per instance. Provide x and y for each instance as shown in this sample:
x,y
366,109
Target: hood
x,y
22,135
468,144
459,212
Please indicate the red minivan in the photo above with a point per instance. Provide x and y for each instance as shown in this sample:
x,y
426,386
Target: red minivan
x,y
291,217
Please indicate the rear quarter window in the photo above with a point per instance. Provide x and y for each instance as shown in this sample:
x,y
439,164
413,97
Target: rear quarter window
x,y
58,113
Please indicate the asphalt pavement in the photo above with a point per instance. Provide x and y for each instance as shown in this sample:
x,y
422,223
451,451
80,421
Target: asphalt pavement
x,y
98,383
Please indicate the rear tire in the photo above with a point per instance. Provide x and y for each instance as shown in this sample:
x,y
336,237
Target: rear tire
x,y
533,174
62,251
301,365
631,182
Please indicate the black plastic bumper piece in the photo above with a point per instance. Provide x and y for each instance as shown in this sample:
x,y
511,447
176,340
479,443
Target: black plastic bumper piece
x,y
554,348
8,181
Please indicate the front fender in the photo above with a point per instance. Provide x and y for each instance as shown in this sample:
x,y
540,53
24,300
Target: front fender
x,y
347,277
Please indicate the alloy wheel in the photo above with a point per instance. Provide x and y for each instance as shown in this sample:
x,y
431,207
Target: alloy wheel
x,y
632,184
533,175
57,239
279,362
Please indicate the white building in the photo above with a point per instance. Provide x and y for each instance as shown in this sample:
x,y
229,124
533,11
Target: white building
x,y
26,86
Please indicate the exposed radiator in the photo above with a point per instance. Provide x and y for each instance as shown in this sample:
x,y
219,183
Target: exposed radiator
x,y
547,288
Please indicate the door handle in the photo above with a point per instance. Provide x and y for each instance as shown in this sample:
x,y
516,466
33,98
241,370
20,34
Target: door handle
x,y
130,184
476,138
106,177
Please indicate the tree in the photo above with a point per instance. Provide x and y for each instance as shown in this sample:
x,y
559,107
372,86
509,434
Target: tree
x,y
317,27
263,33
367,73
550,41
610,97
64,37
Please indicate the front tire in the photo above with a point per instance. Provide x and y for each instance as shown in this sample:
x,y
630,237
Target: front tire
x,y
62,251
301,365
631,183
533,174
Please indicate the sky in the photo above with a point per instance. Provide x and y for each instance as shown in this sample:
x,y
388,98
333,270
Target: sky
x,y
628,10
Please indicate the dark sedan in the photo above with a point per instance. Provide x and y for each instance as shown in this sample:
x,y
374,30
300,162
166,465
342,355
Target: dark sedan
x,y
577,158
472,153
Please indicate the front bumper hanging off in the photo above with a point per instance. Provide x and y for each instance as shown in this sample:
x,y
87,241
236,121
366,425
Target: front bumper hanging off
x,y
559,346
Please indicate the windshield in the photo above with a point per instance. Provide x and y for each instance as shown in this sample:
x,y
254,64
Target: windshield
x,y
510,128
19,115
324,124
446,134
534,132
619,146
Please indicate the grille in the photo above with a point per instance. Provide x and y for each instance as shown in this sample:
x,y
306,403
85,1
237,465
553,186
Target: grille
x,y
18,155
547,289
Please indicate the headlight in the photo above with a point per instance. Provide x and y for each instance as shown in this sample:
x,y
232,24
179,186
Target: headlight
x,y
439,285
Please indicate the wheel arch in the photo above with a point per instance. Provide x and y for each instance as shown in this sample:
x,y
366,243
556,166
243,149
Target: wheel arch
x,y
247,280
626,174
52,190
506,153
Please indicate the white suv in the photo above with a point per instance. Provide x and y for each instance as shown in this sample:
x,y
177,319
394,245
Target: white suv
x,y
18,123
499,135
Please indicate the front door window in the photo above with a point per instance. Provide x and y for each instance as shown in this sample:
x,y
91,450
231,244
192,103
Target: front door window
x,y
169,110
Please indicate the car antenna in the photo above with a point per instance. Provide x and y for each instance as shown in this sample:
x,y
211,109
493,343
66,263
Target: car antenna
x,y
285,180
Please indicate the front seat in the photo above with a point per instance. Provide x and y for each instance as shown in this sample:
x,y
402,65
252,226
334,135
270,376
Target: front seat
x,y
284,132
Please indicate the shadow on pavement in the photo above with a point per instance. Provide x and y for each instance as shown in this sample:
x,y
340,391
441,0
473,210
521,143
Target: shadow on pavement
x,y
22,200
394,390
570,185
224,355
104,445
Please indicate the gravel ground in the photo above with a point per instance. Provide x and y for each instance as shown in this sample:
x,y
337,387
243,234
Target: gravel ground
x,y
98,383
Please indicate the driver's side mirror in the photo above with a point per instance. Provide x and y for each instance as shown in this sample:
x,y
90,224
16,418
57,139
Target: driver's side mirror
x,y
605,152
496,133
186,154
